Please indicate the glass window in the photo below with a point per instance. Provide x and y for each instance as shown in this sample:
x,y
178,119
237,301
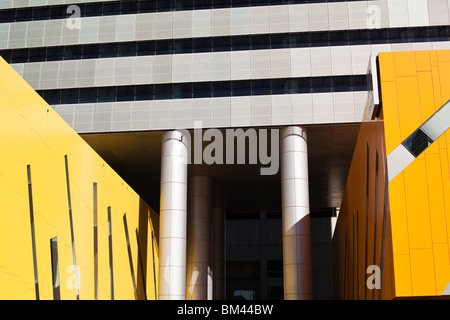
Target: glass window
x,y
37,54
41,13
88,95
221,3
241,88
240,43
144,92
91,51
108,50
222,89
281,86
58,12
7,15
163,91
201,89
127,49
183,46
182,91
69,96
125,93
129,7
52,97
106,94
146,48
92,9
20,55
278,41
221,43
260,42
261,87
112,8
164,47
70,52
24,14
55,53
438,123
6,54
202,44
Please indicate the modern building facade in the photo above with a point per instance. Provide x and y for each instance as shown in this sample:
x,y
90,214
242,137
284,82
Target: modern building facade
x,y
148,84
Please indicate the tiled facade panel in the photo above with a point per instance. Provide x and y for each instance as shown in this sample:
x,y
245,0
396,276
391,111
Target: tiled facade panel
x,y
34,3
223,22
197,67
314,108
414,85
34,135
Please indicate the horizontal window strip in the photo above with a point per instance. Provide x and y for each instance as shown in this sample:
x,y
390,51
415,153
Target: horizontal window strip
x,y
230,43
205,89
96,9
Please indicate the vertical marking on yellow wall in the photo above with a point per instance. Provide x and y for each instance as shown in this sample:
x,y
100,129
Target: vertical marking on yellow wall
x,y
95,242
55,268
111,269
130,257
33,236
141,264
72,236
154,267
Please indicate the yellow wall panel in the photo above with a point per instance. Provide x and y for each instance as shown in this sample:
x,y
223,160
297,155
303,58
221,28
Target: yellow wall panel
x,y
402,273
408,105
399,222
427,105
387,66
403,62
34,135
436,199
417,207
422,272
426,180
423,62
442,263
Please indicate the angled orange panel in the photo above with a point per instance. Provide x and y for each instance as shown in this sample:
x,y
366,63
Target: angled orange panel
x,y
402,274
422,272
399,222
433,58
442,266
423,62
436,198
427,103
408,105
387,66
437,87
444,74
405,63
417,206
443,56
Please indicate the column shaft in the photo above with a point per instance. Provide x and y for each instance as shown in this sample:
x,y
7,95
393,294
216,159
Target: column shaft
x,y
199,267
173,215
295,215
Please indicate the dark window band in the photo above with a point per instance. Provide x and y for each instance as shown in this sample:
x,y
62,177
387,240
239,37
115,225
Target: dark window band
x,y
227,43
205,89
108,8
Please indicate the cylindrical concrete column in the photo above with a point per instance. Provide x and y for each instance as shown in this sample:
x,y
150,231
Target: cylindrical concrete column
x,y
297,271
218,238
199,267
173,215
